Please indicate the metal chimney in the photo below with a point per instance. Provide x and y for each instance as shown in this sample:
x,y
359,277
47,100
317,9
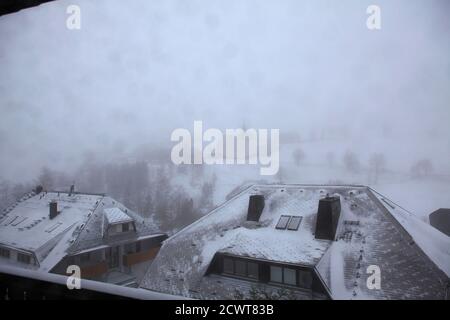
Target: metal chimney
x,y
255,207
328,214
53,209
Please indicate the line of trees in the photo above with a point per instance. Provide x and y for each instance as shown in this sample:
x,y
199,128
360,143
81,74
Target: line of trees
x,y
376,165
150,190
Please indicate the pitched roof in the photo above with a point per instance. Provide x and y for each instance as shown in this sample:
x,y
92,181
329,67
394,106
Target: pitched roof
x,y
379,238
115,216
26,225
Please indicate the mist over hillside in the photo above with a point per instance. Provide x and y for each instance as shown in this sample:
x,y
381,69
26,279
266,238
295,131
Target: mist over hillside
x,y
96,106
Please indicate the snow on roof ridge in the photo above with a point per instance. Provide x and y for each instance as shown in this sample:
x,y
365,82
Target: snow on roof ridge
x,y
259,185
76,192
85,222
116,215
208,214
281,185
396,204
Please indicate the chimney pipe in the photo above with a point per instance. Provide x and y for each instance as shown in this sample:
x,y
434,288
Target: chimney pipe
x,y
53,209
328,215
72,189
255,207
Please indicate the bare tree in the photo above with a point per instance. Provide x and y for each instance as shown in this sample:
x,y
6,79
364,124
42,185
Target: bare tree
x,y
351,162
422,168
46,178
377,164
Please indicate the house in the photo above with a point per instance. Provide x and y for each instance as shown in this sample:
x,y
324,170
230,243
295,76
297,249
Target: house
x,y
48,231
304,242
440,219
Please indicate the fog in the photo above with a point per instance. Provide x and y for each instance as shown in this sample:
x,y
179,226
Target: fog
x,y
137,70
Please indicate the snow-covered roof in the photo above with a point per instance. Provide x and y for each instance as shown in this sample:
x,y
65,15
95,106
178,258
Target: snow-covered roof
x,y
92,235
434,243
378,238
26,226
116,216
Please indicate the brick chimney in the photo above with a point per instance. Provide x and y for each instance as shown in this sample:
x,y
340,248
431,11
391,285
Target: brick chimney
x,y
255,207
53,209
328,214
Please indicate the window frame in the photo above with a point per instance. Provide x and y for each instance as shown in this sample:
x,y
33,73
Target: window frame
x,y
5,253
295,274
296,226
284,226
246,274
272,266
232,265
24,258
299,273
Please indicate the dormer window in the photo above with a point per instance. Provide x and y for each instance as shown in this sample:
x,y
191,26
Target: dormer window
x,y
4,253
263,271
117,222
24,258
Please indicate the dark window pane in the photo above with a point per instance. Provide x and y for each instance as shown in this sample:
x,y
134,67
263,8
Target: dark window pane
x,y
252,270
4,253
85,257
290,276
276,274
294,223
282,223
240,268
129,248
24,258
125,227
228,265
305,279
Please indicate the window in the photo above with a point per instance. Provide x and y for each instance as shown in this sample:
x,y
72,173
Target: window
x,y
294,223
252,270
228,265
133,247
24,258
241,268
4,253
129,248
276,274
125,227
304,279
282,223
289,222
290,276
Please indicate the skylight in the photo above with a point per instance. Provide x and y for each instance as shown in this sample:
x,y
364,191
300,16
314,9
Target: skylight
x,y
290,222
283,222
294,223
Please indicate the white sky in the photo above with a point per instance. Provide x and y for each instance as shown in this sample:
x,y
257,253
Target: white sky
x,y
139,69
